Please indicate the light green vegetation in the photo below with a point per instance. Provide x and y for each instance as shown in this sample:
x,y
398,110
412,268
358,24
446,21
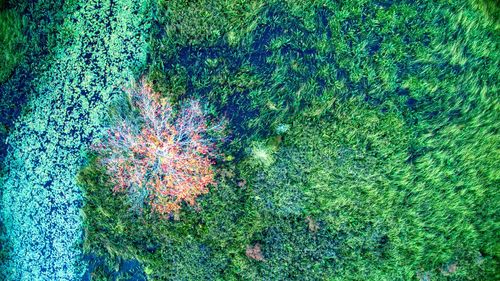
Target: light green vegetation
x,y
364,144
11,41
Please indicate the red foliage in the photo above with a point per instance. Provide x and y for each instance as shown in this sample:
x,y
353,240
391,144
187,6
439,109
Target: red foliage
x,y
164,161
255,252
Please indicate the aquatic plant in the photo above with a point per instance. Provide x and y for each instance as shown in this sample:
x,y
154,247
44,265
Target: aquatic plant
x,y
167,159
70,83
386,170
11,42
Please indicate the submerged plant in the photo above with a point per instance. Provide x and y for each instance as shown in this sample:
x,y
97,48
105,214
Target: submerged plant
x,y
162,160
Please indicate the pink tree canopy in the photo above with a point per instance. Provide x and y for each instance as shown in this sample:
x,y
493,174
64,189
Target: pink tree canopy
x,y
165,158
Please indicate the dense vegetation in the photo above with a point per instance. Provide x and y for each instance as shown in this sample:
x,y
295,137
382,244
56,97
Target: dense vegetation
x,y
363,138
11,53
364,144
11,40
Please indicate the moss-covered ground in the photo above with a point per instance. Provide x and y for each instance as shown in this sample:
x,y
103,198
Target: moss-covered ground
x,y
364,142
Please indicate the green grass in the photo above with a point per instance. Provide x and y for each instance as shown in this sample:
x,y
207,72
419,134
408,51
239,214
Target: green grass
x,y
364,144
73,66
11,41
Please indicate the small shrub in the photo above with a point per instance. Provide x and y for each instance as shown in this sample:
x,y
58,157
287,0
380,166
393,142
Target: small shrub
x,y
160,159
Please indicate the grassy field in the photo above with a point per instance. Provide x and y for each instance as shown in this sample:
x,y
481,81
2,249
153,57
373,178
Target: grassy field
x,y
364,144
11,40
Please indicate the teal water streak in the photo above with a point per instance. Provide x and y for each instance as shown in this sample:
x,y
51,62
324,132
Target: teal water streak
x,y
102,46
